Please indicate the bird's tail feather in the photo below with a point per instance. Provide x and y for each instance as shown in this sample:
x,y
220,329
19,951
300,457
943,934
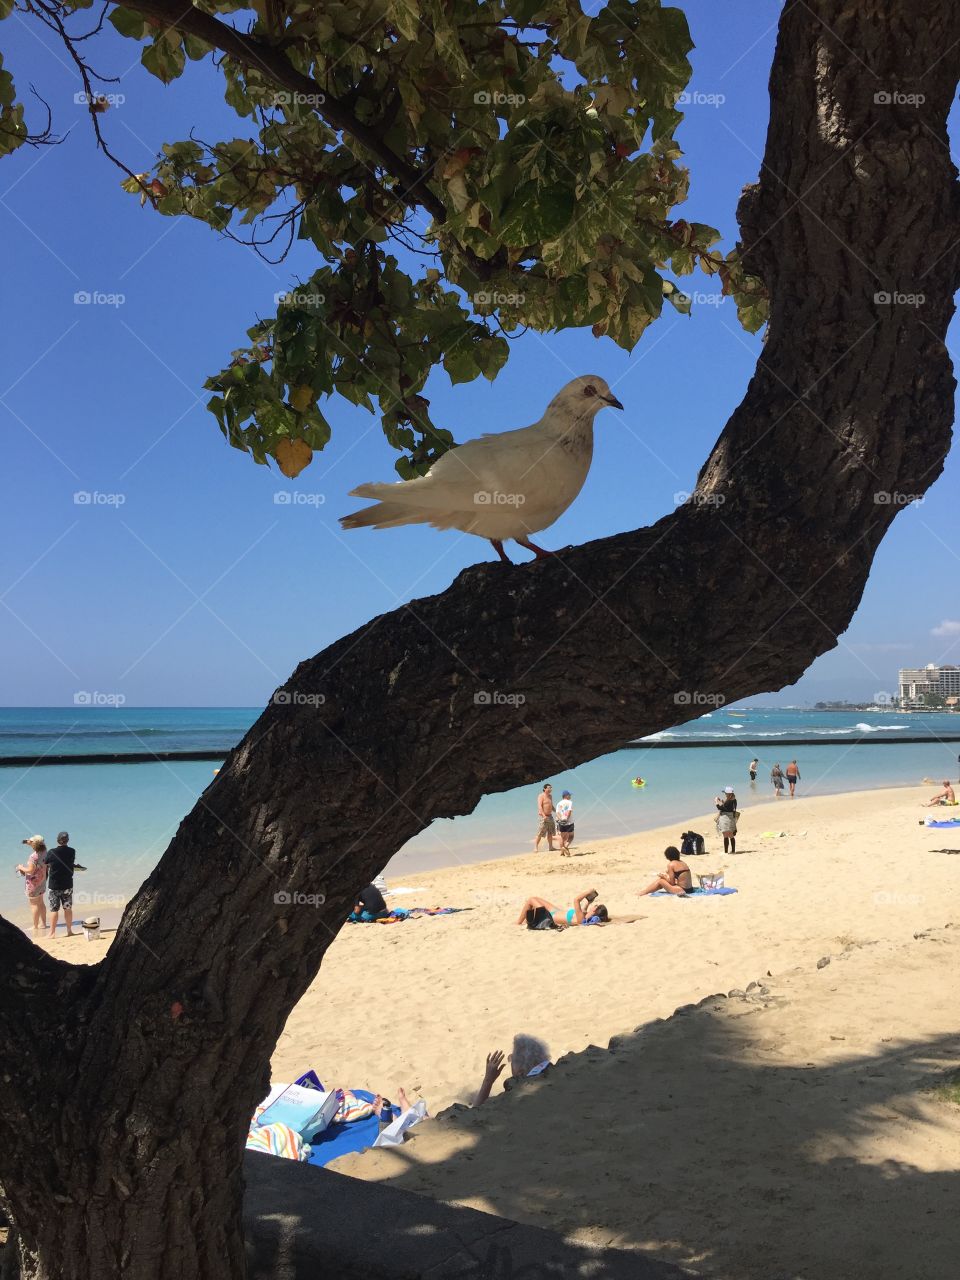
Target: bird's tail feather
x,y
380,516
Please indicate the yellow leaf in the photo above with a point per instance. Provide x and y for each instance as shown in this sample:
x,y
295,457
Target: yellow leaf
x,y
301,398
292,456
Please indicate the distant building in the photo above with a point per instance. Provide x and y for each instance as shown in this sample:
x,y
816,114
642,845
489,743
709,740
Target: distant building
x,y
921,686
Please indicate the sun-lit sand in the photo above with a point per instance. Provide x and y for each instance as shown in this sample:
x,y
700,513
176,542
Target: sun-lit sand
x,y
788,1134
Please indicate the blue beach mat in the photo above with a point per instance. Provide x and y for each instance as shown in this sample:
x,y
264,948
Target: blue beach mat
x,y
697,893
341,1139
949,822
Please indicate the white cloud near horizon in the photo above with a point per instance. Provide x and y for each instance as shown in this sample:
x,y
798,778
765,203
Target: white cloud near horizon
x,y
949,627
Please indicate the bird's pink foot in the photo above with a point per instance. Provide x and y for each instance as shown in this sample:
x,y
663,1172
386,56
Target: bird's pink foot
x,y
539,552
498,547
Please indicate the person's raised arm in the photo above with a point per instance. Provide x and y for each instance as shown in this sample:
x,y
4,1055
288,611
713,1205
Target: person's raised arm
x,y
493,1070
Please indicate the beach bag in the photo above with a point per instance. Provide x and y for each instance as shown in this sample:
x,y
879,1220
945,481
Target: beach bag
x,y
692,844
91,928
712,880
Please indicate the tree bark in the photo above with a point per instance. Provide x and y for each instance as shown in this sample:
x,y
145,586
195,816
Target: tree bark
x,y
126,1089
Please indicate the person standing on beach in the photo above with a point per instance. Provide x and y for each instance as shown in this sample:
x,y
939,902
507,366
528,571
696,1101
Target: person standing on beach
x,y
565,823
548,823
61,863
754,764
34,872
776,777
793,776
727,819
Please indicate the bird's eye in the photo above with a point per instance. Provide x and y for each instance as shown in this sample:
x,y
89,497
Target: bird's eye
x,y
589,391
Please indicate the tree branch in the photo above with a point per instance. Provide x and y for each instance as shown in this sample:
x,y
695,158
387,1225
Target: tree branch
x,y
272,64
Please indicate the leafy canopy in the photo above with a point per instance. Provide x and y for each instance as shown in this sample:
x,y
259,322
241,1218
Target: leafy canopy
x,y
464,169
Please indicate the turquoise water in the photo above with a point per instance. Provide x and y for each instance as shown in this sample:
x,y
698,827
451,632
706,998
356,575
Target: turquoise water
x,y
121,817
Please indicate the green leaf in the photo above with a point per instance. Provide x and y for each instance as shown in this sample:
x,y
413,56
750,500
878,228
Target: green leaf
x,y
127,23
164,59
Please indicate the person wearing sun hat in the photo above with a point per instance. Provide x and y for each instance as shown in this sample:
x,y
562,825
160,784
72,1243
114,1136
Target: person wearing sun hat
x,y
727,819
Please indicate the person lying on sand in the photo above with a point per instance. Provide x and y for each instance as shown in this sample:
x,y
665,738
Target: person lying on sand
x,y
583,911
676,879
530,1058
946,796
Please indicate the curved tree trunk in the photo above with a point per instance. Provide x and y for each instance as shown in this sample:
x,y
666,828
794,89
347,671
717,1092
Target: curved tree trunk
x,y
126,1088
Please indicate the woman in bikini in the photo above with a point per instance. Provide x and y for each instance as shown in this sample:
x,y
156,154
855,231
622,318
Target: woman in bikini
x,y
677,878
585,910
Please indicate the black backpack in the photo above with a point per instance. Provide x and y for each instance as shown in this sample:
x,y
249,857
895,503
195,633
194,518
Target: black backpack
x,y
692,844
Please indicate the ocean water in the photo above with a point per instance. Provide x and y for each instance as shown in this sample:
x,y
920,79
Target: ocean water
x,y
121,817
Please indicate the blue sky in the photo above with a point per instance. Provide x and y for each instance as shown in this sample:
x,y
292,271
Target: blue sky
x,y
199,588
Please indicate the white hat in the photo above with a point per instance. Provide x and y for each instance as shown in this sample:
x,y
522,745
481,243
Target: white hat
x,y
728,790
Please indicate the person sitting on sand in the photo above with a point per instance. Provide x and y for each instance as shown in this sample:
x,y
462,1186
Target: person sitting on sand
x,y
946,796
530,1058
677,879
370,905
537,912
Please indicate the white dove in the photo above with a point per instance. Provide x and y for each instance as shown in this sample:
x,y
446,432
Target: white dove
x,y
500,486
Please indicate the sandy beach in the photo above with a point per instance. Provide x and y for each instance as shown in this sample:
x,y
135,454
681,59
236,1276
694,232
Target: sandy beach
x,y
790,1132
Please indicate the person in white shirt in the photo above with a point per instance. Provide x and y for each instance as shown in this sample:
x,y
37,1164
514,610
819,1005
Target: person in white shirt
x,y
565,823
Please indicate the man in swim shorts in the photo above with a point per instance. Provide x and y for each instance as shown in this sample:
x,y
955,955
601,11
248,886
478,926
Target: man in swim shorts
x,y
754,764
548,823
946,796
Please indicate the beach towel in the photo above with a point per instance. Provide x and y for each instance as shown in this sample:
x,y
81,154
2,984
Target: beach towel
x,y
278,1140
695,893
396,916
948,822
339,1139
435,911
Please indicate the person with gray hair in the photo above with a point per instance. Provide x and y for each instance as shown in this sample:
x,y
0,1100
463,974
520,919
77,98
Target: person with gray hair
x,y
530,1058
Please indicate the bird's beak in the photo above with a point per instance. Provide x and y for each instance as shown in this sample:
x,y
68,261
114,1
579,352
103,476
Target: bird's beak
x,y
614,401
